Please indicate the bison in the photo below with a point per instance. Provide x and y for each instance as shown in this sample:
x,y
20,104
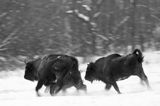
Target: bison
x,y
116,67
72,79
52,70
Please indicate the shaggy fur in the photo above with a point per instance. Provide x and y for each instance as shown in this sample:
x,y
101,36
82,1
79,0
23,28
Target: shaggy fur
x,y
52,70
116,67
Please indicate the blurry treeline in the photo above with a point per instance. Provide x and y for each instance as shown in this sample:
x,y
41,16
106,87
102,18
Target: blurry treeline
x,y
77,27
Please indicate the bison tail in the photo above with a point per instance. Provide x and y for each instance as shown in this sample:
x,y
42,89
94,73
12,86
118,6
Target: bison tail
x,y
139,55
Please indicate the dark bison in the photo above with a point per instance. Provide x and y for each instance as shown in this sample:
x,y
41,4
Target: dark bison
x,y
55,71
71,79
116,67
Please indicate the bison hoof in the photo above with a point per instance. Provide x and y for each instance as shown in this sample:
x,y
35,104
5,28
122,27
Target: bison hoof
x,y
85,91
108,87
38,94
119,93
54,89
149,87
142,83
47,89
52,92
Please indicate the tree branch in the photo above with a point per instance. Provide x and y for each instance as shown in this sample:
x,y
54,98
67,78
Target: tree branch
x,y
8,39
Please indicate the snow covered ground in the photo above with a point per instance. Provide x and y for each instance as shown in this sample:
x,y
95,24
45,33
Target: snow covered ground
x,y
15,90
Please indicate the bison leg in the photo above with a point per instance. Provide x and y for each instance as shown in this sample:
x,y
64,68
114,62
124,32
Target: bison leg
x,y
56,87
116,87
59,86
39,85
47,89
64,90
109,82
108,86
82,87
52,88
144,78
60,81
142,82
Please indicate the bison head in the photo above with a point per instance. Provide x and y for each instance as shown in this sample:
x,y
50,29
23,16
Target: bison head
x,y
30,72
134,62
90,72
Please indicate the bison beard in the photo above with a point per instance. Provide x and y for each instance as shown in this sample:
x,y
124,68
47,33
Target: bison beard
x,y
51,70
116,67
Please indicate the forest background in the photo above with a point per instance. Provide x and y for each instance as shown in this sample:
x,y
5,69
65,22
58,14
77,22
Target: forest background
x,y
81,28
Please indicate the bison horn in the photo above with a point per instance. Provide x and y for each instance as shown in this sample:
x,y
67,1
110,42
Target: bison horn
x,y
27,60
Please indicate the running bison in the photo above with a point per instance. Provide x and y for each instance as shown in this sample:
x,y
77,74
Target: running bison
x,y
116,67
56,71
